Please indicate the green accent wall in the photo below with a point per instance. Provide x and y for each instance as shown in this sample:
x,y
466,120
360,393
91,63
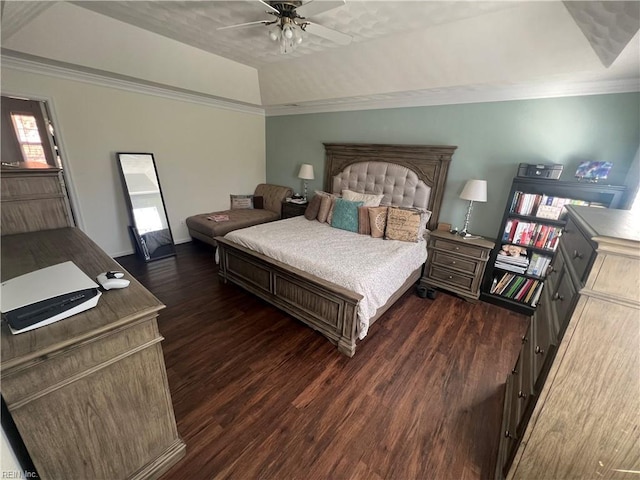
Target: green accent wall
x,y
492,139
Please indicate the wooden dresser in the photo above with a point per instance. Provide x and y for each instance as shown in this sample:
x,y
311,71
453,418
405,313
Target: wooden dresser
x,y
573,398
88,394
34,199
456,264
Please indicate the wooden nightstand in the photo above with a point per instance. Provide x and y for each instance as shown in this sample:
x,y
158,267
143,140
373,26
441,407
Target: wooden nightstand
x,y
456,264
290,209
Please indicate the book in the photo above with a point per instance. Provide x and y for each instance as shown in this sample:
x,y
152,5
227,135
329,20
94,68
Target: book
x,y
218,217
514,286
511,268
541,238
517,236
520,294
507,230
536,295
502,283
548,211
531,291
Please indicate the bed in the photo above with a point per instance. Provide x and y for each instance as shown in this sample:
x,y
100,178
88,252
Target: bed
x,y
407,175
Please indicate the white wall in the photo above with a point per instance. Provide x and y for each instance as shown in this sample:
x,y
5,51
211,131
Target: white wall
x,y
203,152
68,33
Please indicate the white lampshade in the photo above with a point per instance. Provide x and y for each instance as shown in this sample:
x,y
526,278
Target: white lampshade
x,y
306,172
475,190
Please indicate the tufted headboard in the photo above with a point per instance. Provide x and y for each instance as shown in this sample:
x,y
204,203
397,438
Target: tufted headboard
x,y
407,175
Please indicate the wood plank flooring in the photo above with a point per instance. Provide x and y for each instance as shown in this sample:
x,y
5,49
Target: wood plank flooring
x,y
258,395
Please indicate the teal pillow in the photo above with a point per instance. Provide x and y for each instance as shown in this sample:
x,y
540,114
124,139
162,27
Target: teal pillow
x,y
345,215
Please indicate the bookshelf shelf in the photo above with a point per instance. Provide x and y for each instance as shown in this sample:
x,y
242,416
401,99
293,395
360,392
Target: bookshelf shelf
x,y
527,241
526,275
529,218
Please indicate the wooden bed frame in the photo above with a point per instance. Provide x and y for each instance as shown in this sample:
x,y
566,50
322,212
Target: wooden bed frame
x,y
322,305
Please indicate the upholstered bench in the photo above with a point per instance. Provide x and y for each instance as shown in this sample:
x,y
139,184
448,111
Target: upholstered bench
x,y
203,229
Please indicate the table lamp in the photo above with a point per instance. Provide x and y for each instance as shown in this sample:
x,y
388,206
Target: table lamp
x,y
474,191
306,173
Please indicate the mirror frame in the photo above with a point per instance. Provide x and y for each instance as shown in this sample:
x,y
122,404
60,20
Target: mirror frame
x,y
141,245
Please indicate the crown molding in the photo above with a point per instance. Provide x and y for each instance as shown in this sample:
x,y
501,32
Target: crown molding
x,y
105,79
425,98
460,95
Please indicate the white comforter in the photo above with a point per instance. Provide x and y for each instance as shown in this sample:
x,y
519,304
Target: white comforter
x,y
372,267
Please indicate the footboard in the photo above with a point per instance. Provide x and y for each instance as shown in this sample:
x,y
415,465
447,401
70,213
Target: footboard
x,y
324,306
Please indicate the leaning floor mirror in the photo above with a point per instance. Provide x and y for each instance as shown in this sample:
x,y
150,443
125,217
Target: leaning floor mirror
x,y
150,225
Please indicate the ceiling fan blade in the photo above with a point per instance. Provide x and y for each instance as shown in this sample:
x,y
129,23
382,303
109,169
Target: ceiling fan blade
x,y
248,24
275,10
328,33
312,7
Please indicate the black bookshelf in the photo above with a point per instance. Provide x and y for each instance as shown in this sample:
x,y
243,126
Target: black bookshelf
x,y
522,227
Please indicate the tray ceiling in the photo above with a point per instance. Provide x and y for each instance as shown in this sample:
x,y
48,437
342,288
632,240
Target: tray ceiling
x,y
403,50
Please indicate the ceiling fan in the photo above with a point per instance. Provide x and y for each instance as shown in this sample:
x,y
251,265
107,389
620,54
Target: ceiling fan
x,y
291,20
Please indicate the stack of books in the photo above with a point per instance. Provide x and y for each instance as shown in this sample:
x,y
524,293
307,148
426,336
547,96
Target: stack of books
x,y
531,234
538,265
518,263
542,206
515,287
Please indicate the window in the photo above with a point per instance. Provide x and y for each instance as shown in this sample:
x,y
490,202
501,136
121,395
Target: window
x,y
26,131
28,138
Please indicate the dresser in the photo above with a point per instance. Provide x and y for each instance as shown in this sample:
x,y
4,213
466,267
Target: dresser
x,y
456,264
88,394
34,199
572,400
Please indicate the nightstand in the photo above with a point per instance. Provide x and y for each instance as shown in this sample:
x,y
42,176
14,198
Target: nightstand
x,y
290,209
456,264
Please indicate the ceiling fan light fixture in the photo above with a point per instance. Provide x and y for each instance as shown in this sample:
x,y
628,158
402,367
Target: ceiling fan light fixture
x,y
288,33
275,33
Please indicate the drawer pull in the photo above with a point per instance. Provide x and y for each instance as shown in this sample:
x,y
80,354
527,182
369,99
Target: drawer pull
x,y
524,339
450,277
453,262
507,434
514,372
539,350
557,296
577,255
457,248
521,394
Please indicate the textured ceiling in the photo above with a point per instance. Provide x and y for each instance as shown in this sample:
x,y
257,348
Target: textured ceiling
x,y
400,49
196,23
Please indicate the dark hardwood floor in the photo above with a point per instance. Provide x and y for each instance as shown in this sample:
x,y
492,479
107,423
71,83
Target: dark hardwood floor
x,y
258,395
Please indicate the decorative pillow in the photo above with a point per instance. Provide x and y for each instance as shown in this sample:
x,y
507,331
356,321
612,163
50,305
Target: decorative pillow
x,y
378,221
241,201
364,225
370,200
345,215
325,206
311,213
331,209
404,224
258,202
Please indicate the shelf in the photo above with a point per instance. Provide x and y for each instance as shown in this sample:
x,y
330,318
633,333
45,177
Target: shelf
x,y
545,230
527,275
508,303
545,221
